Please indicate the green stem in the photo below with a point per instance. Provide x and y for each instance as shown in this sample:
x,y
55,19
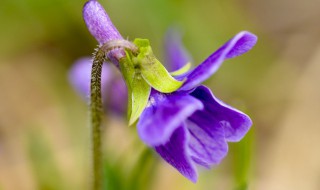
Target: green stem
x,y
96,119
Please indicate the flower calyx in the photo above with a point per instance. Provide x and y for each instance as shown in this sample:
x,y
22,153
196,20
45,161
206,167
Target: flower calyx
x,y
143,71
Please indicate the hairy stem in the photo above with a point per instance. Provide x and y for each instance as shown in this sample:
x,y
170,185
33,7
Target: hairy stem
x,y
96,119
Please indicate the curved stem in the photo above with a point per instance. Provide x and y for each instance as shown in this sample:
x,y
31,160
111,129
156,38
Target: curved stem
x,y
96,119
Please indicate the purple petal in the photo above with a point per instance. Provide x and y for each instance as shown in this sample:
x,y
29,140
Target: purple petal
x,y
176,55
118,96
207,140
99,23
234,123
238,45
80,76
175,152
164,114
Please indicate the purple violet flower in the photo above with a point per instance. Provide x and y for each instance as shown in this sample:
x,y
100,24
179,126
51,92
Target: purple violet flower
x,y
114,100
190,126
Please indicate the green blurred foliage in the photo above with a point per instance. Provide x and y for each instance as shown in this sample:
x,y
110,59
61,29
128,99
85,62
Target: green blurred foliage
x,y
44,167
140,176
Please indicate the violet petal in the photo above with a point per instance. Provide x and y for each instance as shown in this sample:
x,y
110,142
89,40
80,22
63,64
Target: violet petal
x,y
118,96
175,152
99,23
207,143
164,114
239,44
176,55
234,123
80,77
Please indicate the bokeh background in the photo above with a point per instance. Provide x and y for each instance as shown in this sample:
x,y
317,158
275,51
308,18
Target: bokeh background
x,y
44,134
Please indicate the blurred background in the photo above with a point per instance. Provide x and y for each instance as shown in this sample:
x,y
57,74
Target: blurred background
x,y
44,134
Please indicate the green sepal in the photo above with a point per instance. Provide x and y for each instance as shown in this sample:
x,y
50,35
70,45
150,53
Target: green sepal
x,y
140,96
138,88
152,70
182,70
127,70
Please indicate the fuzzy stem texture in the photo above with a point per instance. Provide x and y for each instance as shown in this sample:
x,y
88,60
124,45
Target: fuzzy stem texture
x,y
96,119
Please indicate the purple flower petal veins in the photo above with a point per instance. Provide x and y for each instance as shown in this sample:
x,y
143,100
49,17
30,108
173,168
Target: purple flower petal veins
x,y
175,152
168,112
235,123
208,123
238,45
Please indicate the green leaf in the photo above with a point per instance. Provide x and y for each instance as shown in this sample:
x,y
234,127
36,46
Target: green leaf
x,y
182,70
152,70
